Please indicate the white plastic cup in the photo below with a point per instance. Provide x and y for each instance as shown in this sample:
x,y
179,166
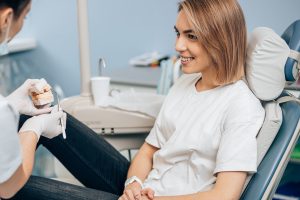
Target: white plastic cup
x,y
100,89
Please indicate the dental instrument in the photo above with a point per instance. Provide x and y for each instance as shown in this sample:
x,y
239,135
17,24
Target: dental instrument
x,y
61,119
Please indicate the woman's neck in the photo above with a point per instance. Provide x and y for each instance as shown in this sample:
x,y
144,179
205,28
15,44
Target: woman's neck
x,y
206,83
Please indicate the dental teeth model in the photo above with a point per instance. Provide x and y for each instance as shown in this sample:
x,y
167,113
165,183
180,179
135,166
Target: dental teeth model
x,y
41,94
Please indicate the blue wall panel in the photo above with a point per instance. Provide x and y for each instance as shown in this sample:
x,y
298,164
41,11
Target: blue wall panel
x,y
120,30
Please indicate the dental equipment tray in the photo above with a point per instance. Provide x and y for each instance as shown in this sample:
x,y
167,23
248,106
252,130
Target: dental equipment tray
x,y
107,120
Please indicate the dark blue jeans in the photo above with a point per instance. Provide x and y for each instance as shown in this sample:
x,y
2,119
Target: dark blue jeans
x,y
91,159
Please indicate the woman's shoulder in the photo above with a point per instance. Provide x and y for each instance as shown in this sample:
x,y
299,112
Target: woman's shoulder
x,y
242,96
242,105
241,89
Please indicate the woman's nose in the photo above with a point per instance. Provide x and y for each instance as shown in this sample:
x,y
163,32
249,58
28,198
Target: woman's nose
x,y
180,44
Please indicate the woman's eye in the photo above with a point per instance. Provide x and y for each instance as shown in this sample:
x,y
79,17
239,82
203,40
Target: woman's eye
x,y
192,37
177,33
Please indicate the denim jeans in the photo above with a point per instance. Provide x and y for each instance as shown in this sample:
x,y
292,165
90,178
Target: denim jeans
x,y
91,159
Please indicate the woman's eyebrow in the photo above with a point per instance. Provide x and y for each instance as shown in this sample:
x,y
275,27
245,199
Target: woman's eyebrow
x,y
185,31
188,31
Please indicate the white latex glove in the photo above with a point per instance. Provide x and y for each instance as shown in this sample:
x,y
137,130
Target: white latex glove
x,y
47,125
21,101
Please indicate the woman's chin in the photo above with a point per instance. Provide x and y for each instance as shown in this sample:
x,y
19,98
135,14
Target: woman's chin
x,y
188,70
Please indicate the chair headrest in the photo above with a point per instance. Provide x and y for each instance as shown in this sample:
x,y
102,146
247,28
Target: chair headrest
x,y
292,38
270,62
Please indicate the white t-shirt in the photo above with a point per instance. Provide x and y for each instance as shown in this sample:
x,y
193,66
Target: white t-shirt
x,y
202,133
10,149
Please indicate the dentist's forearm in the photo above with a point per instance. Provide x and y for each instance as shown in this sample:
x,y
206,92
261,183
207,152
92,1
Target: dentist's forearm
x,y
28,142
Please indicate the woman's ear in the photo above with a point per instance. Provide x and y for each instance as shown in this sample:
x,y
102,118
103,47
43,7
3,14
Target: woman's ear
x,y
6,15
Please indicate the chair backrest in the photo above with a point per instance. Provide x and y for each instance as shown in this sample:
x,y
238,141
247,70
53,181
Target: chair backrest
x,y
264,183
272,63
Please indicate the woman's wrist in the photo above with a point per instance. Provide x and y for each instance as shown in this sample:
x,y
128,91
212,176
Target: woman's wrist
x,y
135,185
135,180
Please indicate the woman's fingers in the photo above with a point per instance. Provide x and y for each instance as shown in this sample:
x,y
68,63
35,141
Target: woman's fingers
x,y
148,192
137,194
129,195
123,197
151,194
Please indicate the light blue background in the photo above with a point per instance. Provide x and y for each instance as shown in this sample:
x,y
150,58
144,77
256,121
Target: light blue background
x,y
120,30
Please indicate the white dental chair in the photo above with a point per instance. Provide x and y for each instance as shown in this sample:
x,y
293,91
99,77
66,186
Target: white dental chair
x,y
274,146
263,184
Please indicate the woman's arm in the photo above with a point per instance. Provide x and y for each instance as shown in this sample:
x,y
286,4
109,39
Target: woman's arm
x,y
10,187
142,162
229,186
140,167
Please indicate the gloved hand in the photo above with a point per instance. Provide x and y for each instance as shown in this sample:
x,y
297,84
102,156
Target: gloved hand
x,y
47,125
21,101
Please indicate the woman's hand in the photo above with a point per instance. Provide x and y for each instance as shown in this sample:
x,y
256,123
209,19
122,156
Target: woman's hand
x,y
132,192
147,193
145,198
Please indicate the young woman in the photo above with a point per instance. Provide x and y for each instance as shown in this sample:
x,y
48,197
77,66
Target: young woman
x,y
17,150
203,143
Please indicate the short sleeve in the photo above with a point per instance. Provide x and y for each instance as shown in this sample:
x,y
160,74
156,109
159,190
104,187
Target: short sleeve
x,y
156,137
10,150
238,145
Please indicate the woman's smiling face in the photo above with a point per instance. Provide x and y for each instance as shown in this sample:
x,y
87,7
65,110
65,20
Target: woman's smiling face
x,y
194,58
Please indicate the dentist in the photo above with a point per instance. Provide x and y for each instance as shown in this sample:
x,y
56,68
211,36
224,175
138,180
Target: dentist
x,y
17,149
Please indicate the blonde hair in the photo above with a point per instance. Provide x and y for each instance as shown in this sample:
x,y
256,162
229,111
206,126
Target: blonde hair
x,y
221,29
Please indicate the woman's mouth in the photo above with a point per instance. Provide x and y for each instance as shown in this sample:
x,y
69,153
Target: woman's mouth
x,y
186,60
